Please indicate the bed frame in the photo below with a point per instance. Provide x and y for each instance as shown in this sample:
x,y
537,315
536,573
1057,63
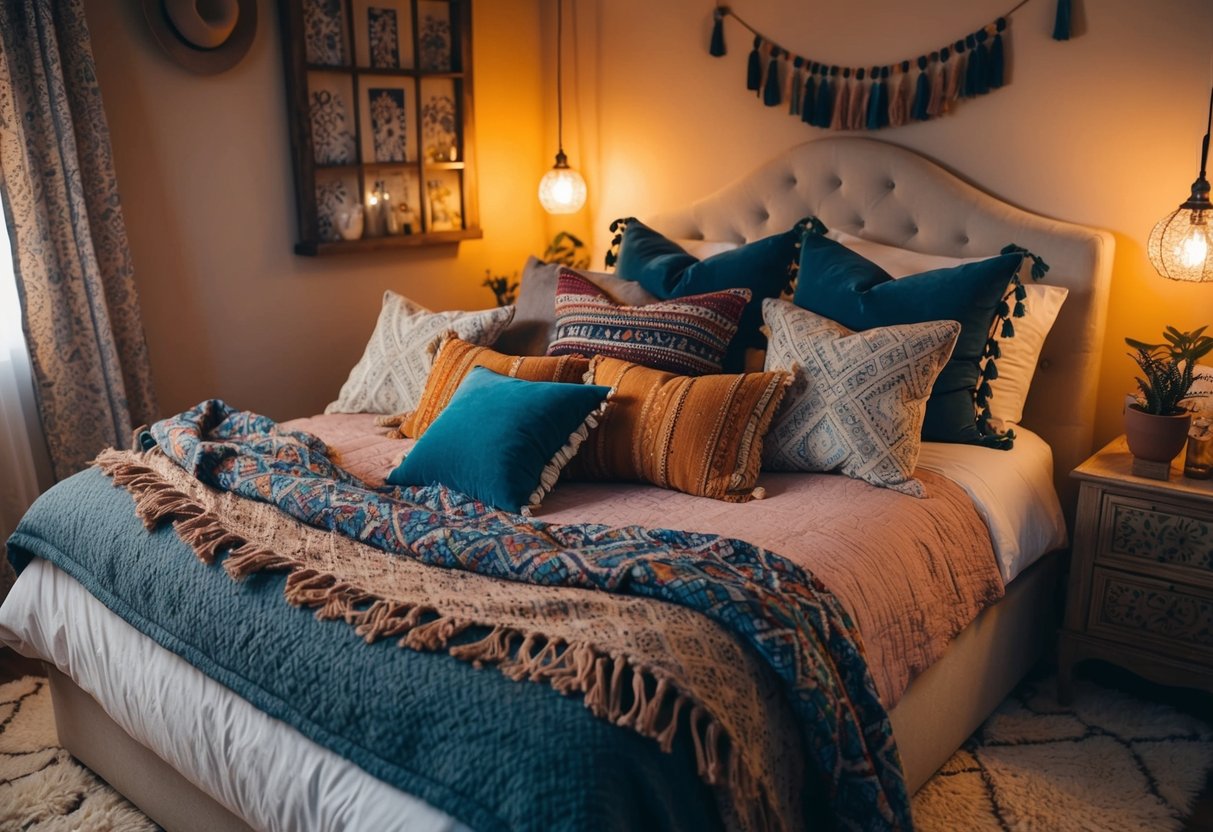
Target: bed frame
x,y
889,195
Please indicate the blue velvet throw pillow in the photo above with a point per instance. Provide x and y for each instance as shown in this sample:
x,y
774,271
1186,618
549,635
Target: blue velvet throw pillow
x,y
765,267
503,440
846,287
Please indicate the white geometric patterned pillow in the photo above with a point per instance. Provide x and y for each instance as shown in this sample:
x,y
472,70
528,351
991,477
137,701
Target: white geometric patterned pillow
x,y
858,398
390,376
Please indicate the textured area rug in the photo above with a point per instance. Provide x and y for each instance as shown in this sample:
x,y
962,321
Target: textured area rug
x,y
42,789
1110,762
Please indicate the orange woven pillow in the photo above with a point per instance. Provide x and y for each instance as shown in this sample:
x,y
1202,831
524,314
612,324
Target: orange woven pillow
x,y
701,435
457,357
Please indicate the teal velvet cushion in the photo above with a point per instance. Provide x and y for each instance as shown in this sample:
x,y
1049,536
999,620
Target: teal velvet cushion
x,y
663,268
503,440
848,288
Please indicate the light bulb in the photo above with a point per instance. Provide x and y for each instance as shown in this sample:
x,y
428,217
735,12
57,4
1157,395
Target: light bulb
x,y
1193,247
562,191
1181,246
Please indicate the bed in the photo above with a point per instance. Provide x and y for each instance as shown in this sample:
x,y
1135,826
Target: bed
x,y
194,755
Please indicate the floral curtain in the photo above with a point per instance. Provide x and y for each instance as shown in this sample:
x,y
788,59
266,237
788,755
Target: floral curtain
x,y
80,311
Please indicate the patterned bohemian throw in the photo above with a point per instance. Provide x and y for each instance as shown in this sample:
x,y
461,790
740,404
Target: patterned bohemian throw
x,y
512,592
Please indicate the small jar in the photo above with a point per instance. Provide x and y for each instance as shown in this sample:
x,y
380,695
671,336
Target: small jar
x,y
1198,462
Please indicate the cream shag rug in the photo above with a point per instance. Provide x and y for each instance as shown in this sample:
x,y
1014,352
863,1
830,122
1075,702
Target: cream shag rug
x,y
42,789
1110,762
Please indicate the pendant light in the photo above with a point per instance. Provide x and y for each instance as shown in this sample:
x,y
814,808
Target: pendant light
x,y
562,190
1181,244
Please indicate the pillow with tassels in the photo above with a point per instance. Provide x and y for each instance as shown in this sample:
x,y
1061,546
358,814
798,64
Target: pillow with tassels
x,y
504,441
982,297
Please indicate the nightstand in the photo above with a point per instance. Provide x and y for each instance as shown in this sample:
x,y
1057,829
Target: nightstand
x,y
1141,574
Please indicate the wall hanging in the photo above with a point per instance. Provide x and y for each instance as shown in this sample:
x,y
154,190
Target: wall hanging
x,y
883,95
379,103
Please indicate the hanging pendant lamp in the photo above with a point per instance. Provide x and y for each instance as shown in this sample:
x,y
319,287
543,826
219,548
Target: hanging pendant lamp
x,y
562,190
1181,244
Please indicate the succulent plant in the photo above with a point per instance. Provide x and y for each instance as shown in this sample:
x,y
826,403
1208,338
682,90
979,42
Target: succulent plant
x,y
1168,369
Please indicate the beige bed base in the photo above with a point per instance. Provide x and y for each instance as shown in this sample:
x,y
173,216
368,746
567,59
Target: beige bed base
x,y
943,706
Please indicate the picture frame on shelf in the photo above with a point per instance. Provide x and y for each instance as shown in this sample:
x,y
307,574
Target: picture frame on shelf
x,y
386,110
383,34
331,118
325,41
338,206
444,201
439,121
435,44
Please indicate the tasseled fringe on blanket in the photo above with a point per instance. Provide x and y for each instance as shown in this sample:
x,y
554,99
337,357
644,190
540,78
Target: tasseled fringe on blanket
x,y
612,686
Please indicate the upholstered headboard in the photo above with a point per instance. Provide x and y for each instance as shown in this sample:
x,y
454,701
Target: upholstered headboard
x,y
891,195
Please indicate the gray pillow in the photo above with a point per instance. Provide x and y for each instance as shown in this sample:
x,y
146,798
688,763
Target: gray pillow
x,y
534,324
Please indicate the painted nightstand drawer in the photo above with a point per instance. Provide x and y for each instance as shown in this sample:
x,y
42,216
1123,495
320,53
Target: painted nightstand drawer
x,y
1174,619
1137,533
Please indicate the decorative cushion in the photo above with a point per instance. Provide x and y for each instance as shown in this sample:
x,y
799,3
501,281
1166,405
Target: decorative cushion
x,y
688,335
765,267
858,398
503,440
455,360
699,435
534,324
1019,355
391,374
852,290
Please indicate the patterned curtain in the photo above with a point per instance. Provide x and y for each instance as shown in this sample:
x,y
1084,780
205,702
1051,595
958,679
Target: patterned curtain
x,y
80,312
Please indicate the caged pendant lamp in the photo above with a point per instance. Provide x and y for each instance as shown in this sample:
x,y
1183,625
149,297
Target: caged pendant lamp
x,y
1181,244
562,190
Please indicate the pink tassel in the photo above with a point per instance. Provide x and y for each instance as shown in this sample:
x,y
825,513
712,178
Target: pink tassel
x,y
842,100
899,100
937,103
857,109
952,88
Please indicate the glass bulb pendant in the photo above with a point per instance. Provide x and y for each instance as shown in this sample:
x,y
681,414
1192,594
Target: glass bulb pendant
x,y
1181,245
562,190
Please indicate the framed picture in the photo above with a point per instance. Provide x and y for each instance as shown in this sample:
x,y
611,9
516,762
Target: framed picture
x,y
386,103
383,34
434,40
324,36
444,200
338,212
439,121
331,115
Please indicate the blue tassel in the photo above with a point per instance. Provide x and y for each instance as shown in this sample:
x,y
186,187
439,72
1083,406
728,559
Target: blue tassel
x,y
878,100
771,92
824,106
998,61
1020,309
981,80
810,88
716,48
1061,26
969,87
922,92
990,373
796,96
753,78
1020,292
1008,329
984,392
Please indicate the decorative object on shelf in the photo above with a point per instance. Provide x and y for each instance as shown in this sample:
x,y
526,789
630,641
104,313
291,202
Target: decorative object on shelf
x,y
830,96
1181,244
349,222
443,215
438,128
332,197
1198,461
332,139
435,38
206,38
376,216
567,250
383,35
388,123
504,289
323,32
1156,427
562,189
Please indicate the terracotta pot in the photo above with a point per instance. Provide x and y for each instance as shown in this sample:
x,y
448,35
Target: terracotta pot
x,y
1156,438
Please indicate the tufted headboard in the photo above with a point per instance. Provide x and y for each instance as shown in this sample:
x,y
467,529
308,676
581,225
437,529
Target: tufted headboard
x,y
892,195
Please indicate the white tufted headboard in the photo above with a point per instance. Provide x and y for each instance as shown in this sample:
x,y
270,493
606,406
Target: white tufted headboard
x,y
891,195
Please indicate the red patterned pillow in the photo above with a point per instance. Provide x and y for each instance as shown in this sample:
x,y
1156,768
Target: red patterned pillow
x,y
687,335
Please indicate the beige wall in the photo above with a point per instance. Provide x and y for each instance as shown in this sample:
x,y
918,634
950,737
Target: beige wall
x,y
1102,130
204,172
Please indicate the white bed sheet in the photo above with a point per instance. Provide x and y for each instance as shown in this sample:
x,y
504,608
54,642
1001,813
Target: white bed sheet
x,y
260,768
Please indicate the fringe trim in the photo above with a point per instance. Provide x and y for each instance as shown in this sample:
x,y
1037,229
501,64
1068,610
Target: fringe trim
x,y
653,709
564,455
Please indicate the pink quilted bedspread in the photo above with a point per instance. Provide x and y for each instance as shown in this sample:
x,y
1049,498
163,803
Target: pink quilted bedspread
x,y
913,573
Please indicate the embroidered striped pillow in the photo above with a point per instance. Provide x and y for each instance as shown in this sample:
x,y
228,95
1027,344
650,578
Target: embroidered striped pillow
x,y
688,335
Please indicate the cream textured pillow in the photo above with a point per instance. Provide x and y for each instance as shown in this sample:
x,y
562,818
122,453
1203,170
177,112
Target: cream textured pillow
x,y
390,376
1019,356
858,399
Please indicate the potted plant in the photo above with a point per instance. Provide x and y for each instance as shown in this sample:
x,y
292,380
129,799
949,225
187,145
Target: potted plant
x,y
1156,426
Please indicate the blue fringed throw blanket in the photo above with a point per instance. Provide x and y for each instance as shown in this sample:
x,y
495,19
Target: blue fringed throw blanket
x,y
793,630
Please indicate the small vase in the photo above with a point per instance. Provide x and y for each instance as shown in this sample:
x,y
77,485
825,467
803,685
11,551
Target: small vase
x,y
1155,438
349,223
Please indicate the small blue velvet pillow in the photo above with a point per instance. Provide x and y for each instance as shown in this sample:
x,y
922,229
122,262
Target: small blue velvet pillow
x,y
662,267
503,440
